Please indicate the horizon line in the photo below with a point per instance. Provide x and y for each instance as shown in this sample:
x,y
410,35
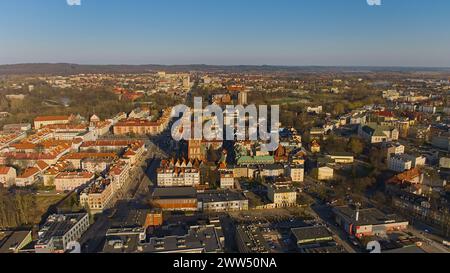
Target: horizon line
x,y
228,65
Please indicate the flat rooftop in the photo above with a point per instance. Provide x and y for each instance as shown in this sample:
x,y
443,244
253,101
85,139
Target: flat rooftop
x,y
174,192
253,239
220,196
57,225
370,216
311,233
202,238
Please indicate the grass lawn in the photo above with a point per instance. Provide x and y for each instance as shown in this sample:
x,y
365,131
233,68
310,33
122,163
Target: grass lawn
x,y
43,203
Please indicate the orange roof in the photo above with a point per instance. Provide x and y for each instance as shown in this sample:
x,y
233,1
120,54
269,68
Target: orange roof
x,y
136,122
405,176
51,118
72,175
88,155
29,172
111,143
4,170
23,146
66,127
42,165
57,168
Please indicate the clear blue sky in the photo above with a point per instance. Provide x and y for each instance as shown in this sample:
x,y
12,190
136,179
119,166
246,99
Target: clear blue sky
x,y
278,32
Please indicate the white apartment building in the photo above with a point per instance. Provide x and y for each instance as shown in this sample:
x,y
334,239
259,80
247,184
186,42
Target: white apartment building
x,y
178,178
283,196
417,161
226,180
69,181
296,173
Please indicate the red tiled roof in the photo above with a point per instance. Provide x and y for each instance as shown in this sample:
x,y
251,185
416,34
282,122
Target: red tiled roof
x,y
4,170
29,172
51,118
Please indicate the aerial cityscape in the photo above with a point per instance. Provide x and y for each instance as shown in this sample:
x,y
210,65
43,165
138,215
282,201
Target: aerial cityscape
x,y
225,157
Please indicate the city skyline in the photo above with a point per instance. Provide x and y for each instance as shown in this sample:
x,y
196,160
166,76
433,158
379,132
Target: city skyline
x,y
300,33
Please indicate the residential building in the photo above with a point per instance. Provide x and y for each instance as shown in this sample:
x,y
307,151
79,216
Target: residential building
x,y
42,121
226,180
392,149
98,195
28,177
282,195
7,176
399,163
178,173
69,181
296,173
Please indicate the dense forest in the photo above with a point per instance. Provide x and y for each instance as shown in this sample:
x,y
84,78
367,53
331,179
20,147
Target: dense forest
x,y
49,101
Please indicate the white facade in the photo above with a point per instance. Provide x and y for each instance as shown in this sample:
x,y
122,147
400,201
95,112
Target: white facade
x,y
227,180
7,176
297,173
171,178
325,173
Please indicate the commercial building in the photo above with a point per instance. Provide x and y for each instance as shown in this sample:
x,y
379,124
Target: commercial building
x,y
221,201
249,239
59,230
367,222
312,237
175,198
197,239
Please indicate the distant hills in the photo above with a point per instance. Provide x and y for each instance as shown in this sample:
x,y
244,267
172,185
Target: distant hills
x,y
70,69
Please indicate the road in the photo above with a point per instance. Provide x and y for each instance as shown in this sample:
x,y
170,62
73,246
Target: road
x,y
134,187
324,216
432,242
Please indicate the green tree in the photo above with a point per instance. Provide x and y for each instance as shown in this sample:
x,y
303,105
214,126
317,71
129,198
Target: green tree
x,y
356,146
